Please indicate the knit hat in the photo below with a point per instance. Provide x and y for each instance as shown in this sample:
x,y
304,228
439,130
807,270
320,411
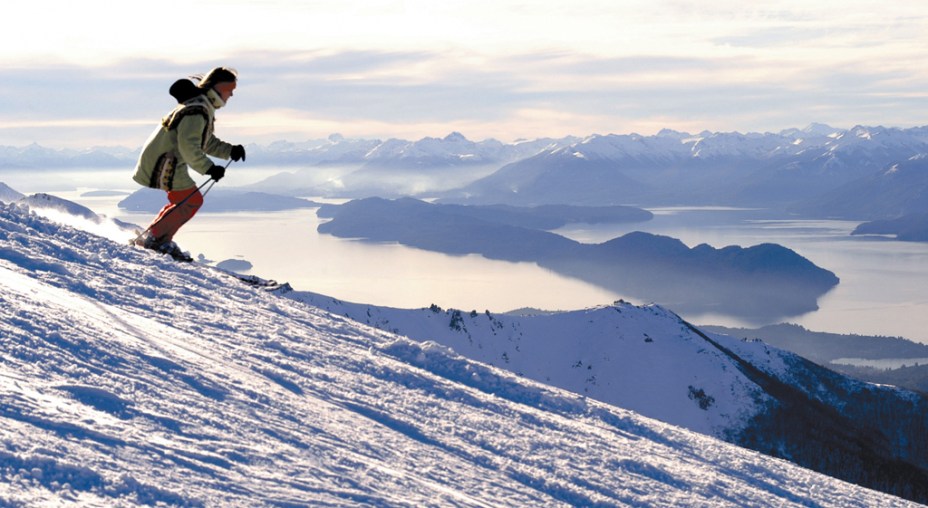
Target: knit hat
x,y
218,75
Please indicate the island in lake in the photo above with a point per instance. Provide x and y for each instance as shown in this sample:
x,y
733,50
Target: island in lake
x,y
759,283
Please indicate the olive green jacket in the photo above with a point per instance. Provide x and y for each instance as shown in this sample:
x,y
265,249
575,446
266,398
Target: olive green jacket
x,y
183,140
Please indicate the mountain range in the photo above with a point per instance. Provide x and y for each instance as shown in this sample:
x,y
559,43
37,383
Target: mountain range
x,y
129,379
788,169
815,171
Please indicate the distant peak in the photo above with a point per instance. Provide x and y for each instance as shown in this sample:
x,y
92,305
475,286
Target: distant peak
x,y
670,133
455,136
820,129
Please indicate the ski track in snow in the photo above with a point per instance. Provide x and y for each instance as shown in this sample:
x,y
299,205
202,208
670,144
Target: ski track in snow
x,y
128,379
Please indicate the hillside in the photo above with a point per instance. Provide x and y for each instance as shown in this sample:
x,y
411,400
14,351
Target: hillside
x,y
127,379
898,189
884,360
908,228
650,361
825,348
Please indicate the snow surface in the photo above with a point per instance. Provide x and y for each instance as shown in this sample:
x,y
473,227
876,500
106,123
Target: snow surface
x,y
127,379
8,195
638,358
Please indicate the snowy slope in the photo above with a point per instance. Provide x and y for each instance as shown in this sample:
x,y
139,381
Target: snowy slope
x,y
648,360
638,358
126,379
8,195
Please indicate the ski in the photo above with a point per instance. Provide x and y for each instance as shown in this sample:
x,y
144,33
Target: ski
x,y
255,281
251,280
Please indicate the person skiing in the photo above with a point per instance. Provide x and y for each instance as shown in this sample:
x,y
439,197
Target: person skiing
x,y
183,140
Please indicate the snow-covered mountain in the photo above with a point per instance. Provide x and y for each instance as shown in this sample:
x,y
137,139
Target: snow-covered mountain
x,y
429,152
336,149
827,146
649,360
35,156
770,169
668,168
8,194
127,379
397,167
624,355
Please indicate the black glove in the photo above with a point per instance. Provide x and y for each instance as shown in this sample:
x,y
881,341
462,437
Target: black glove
x,y
217,172
238,152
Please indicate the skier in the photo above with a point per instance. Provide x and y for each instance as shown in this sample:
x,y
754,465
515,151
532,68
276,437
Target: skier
x,y
183,140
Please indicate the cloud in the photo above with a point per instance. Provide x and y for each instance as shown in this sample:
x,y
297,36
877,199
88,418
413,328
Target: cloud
x,y
308,94
503,68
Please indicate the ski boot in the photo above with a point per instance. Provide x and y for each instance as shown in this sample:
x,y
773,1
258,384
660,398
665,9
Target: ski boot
x,y
174,250
151,242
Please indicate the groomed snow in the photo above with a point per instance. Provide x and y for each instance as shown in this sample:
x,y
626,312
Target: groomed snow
x,y
127,379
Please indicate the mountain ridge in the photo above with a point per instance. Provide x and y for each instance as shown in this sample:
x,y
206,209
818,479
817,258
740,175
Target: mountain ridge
x,y
780,403
794,169
455,146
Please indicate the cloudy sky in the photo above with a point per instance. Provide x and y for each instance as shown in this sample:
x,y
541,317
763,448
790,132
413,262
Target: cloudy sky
x,y
96,72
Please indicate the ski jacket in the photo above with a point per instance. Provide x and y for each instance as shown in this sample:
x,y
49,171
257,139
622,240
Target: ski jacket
x,y
183,140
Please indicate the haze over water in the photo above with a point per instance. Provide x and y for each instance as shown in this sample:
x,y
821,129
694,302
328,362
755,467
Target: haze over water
x,y
883,289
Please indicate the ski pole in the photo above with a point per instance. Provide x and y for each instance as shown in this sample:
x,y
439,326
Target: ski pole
x,y
211,182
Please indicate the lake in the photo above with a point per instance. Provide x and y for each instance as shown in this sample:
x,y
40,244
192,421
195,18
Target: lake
x,y
884,283
883,289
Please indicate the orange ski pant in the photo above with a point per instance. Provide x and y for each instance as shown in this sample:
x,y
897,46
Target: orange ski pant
x,y
166,224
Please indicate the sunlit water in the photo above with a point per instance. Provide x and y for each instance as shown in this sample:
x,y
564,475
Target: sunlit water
x,y
883,289
884,283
